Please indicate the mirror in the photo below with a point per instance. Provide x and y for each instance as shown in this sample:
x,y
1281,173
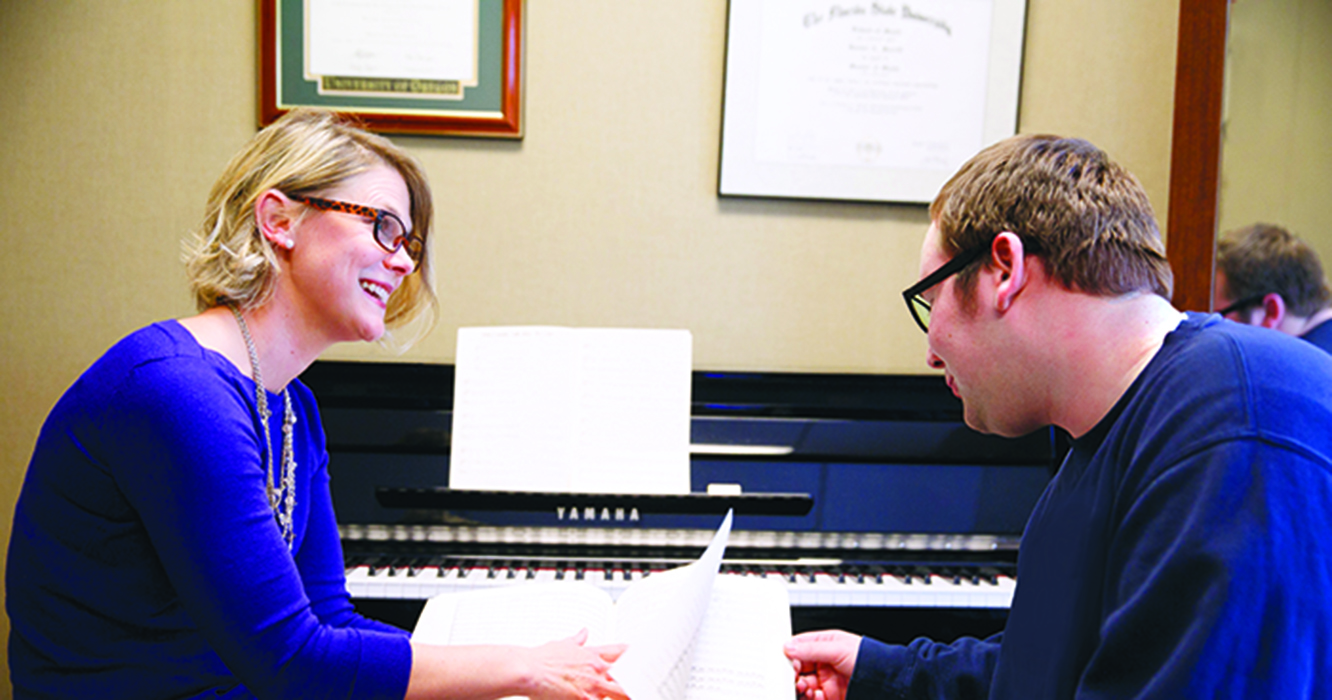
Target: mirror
x,y
1276,124
1276,110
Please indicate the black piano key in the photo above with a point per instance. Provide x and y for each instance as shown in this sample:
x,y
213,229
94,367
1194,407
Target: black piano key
x,y
948,573
417,565
851,573
858,572
450,564
922,573
878,572
906,573
899,573
380,565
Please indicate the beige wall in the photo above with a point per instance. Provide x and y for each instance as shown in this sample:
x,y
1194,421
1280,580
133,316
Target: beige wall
x,y
1277,140
116,117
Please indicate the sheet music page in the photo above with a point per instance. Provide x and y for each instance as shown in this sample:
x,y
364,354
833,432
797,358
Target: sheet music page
x,y
633,423
738,653
582,410
522,614
510,409
659,618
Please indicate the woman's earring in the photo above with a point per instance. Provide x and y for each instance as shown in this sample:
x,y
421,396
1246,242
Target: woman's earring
x,y
288,243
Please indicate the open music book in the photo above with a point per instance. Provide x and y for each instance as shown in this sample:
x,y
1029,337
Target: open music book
x,y
691,634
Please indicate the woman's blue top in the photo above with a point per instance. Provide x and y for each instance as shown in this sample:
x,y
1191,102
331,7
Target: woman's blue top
x,y
145,559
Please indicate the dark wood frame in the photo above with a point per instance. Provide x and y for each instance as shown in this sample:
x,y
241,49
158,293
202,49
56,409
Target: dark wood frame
x,y
507,125
1195,158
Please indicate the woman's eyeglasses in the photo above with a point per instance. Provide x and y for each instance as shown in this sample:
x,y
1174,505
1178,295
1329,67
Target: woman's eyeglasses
x,y
390,233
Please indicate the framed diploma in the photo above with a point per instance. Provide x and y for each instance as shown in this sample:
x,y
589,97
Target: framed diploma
x,y
865,100
400,66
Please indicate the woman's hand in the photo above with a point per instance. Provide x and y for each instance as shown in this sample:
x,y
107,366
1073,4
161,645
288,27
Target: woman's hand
x,y
562,670
567,670
823,662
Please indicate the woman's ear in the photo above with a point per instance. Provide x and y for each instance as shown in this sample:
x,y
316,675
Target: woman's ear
x,y
1007,257
274,215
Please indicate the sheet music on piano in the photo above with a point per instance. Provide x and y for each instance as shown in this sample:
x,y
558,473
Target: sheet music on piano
x,y
557,409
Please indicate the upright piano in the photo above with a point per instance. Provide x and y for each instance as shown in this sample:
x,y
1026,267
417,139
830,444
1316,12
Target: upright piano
x,y
866,495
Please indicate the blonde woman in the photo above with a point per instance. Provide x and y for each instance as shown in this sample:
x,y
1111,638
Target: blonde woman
x,y
175,534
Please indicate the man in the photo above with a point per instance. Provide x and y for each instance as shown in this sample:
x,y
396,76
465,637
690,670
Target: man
x,y
1266,276
1182,549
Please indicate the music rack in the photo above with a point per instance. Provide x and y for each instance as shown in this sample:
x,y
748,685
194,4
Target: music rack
x,y
443,498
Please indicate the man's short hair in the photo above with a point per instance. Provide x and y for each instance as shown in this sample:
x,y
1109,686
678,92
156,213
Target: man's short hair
x,y
1262,258
1087,218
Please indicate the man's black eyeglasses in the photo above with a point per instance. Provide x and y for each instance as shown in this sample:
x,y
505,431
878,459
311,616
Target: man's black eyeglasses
x,y
916,304
1243,304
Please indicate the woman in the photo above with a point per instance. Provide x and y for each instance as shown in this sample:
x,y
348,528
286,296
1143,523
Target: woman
x,y
174,539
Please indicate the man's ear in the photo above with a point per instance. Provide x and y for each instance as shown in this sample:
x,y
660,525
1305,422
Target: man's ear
x,y
1009,262
274,215
1274,311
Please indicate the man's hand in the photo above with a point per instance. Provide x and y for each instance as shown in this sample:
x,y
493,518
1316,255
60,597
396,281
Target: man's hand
x,y
823,662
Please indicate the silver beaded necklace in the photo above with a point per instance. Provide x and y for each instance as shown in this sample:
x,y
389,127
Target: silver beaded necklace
x,y
282,499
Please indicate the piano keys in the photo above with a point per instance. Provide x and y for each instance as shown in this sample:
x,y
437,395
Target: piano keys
x,y
809,584
415,562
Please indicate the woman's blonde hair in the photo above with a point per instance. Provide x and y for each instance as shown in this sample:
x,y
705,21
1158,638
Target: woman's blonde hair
x,y
303,153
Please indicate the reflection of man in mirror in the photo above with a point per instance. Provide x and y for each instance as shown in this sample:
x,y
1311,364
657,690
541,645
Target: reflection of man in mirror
x,y
1266,276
